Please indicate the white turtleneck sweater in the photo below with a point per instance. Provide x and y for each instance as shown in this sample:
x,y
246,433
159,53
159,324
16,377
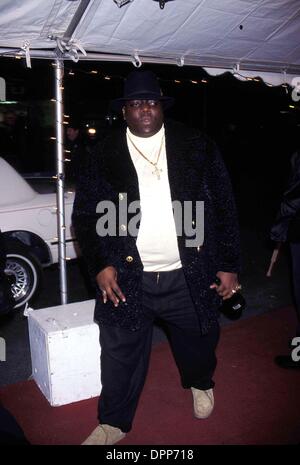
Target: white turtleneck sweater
x,y
157,239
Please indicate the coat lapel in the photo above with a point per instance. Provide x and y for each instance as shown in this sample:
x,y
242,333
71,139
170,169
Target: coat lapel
x,y
177,151
119,169
183,161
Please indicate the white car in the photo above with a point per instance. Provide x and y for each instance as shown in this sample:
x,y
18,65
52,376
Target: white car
x,y
28,221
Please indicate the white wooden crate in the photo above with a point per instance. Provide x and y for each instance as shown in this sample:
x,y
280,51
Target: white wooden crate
x,y
65,352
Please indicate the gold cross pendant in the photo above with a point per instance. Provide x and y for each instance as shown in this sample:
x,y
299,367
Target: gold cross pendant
x,y
157,172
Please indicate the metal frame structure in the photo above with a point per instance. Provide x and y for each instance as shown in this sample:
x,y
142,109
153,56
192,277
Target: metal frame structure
x,y
61,227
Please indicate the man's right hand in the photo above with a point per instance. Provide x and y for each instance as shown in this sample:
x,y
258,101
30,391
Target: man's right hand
x,y
107,282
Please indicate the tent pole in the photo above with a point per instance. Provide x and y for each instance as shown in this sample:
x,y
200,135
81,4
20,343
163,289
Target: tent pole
x,y
59,72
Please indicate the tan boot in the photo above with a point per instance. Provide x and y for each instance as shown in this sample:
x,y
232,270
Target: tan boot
x,y
203,402
104,435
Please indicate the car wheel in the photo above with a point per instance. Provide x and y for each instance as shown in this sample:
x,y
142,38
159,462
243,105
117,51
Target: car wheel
x,y
24,273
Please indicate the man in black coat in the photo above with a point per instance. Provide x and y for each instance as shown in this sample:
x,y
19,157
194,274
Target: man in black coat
x,y
156,222
286,229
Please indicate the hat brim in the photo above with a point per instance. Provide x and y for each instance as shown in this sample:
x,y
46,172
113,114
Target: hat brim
x,y
118,104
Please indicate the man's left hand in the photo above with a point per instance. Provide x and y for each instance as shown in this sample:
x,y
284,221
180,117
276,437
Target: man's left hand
x,y
228,286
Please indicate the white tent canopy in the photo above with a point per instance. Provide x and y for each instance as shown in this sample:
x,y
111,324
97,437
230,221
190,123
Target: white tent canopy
x,y
248,37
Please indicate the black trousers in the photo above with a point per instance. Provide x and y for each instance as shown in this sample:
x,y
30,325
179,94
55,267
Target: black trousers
x,y
125,354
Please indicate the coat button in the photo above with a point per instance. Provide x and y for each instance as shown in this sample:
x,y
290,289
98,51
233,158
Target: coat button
x,y
123,227
129,259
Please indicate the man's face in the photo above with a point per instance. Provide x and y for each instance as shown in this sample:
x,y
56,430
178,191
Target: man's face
x,y
144,117
72,133
10,118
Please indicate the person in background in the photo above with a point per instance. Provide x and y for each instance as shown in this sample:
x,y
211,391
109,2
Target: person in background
x,y
153,270
73,136
286,229
76,150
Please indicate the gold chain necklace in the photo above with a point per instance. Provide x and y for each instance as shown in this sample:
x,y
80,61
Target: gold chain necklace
x,y
157,170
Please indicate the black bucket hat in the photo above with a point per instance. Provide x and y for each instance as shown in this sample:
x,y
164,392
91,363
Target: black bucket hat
x,y
141,85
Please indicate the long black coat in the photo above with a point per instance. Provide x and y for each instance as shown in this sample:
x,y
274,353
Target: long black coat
x,y
287,223
196,173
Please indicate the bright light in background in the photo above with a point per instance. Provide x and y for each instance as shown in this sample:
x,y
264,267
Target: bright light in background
x,y
92,131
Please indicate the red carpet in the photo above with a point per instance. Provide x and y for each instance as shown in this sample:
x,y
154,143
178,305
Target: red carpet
x,y
255,401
